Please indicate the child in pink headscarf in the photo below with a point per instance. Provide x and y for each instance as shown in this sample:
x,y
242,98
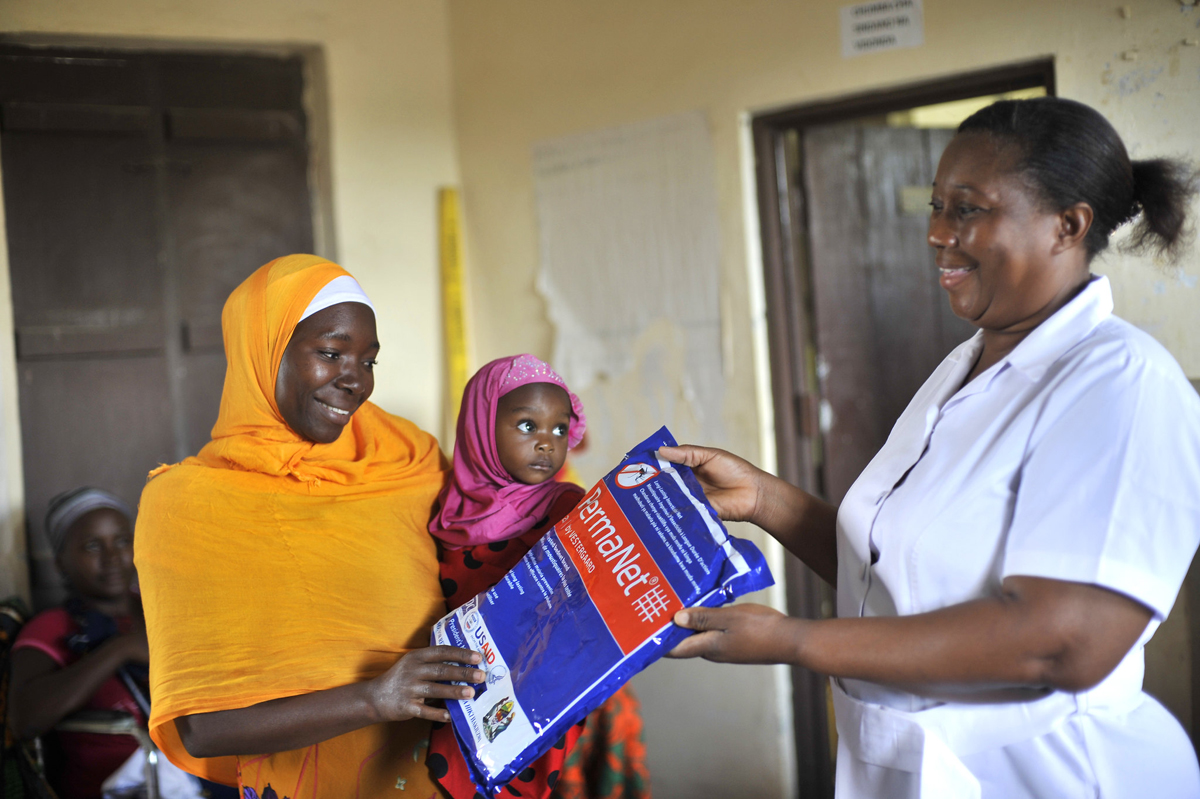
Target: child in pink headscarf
x,y
517,421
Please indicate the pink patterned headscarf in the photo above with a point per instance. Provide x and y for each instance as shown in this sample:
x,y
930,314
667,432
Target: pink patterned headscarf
x,y
482,502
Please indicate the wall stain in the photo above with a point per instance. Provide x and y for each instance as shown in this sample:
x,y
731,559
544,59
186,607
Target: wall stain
x,y
1134,81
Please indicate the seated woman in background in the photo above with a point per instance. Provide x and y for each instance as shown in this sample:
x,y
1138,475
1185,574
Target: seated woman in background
x,y
89,654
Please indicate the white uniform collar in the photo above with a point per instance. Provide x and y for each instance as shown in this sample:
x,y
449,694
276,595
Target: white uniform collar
x,y
1069,325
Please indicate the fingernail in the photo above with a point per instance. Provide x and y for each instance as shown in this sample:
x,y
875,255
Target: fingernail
x,y
467,693
681,618
480,676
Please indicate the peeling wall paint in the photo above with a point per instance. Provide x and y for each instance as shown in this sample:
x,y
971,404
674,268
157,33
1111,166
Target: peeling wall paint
x,y
630,269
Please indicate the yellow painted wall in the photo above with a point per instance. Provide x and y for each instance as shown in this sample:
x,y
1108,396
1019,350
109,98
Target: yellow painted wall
x,y
391,146
540,69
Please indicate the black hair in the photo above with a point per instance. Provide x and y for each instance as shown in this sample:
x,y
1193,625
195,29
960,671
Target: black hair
x,y
1071,154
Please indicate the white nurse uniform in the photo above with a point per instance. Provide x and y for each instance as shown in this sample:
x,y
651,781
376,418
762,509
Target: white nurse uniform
x,y
1075,458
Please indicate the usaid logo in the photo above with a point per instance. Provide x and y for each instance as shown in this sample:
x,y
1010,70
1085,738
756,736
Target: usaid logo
x,y
477,639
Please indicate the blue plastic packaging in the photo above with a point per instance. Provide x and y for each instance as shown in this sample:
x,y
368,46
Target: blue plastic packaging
x,y
590,606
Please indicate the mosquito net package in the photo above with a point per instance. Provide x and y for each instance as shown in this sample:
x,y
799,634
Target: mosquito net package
x,y
590,606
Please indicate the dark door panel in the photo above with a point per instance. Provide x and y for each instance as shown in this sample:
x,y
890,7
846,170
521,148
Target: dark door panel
x,y
233,208
203,381
82,243
66,117
89,421
882,321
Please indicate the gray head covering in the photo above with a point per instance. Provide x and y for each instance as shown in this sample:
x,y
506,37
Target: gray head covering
x,y
67,508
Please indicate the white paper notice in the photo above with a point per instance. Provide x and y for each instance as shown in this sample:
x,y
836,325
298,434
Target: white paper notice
x,y
631,271
881,25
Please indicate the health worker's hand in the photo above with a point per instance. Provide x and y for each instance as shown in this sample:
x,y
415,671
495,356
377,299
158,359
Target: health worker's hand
x,y
738,634
734,486
404,691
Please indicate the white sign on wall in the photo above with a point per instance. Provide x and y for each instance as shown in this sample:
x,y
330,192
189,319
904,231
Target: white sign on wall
x,y
881,25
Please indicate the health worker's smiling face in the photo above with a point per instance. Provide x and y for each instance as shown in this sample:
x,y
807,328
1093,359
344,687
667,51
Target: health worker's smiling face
x,y
531,431
998,249
327,371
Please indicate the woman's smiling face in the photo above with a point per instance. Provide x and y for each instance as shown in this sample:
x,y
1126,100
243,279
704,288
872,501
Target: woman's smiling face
x,y
326,372
996,242
532,423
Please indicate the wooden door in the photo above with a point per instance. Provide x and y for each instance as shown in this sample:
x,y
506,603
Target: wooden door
x,y
882,322
139,190
237,197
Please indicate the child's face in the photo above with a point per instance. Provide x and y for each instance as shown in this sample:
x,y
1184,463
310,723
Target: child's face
x,y
97,555
531,431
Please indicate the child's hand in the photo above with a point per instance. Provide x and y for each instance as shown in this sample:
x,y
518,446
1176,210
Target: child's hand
x,y
403,691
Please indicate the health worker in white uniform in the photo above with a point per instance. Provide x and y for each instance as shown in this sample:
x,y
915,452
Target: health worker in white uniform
x,y
1004,559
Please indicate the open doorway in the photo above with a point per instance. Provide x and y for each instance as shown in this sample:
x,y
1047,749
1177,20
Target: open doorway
x,y
856,319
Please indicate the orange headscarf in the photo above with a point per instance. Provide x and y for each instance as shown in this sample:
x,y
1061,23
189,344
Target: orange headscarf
x,y
271,566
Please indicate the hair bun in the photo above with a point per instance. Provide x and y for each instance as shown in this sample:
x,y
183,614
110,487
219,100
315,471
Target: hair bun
x,y
1162,191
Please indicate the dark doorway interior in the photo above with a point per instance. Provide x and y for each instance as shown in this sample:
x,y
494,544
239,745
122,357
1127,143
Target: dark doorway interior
x,y
856,320
139,190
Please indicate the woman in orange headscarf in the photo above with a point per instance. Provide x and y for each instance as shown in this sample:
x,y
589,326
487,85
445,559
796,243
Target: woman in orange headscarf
x,y
288,580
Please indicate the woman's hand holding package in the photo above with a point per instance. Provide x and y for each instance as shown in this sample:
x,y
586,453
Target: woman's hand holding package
x,y
741,492
402,692
733,485
294,722
738,634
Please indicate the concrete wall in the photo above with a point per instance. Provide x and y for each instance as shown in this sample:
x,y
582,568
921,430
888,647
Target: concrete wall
x,y
541,69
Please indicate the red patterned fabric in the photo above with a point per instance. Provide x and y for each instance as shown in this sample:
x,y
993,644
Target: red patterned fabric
x,y
609,760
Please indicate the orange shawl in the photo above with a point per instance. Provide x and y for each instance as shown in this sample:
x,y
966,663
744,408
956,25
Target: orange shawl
x,y
271,566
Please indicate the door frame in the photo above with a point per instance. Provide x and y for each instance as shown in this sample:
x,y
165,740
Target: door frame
x,y
792,341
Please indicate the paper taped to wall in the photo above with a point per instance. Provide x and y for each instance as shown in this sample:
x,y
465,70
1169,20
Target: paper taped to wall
x,y
630,257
